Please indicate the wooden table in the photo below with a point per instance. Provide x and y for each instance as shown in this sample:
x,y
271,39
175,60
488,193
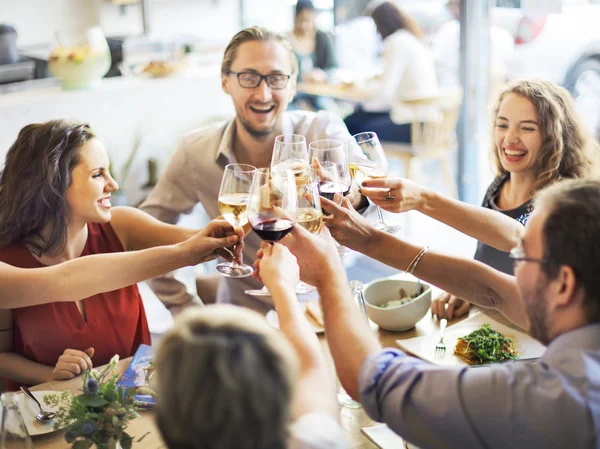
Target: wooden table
x,y
145,428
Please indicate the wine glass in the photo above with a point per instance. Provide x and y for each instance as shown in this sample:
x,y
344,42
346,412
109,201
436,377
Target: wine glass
x,y
310,217
326,175
272,208
289,153
368,161
233,202
330,150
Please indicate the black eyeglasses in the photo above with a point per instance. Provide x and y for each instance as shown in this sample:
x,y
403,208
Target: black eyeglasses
x,y
517,254
250,80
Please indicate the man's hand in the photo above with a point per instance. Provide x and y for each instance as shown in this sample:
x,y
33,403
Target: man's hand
x,y
275,263
217,239
456,307
406,194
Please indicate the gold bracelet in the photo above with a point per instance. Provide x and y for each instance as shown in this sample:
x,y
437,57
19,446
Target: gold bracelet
x,y
413,264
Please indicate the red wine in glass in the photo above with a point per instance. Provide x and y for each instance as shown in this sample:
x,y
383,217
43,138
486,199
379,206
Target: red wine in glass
x,y
272,229
329,189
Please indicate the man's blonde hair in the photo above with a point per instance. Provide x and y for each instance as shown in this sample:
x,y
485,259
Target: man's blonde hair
x,y
225,380
259,34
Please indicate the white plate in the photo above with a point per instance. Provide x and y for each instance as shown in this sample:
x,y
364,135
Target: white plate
x,y
384,438
29,409
424,346
273,320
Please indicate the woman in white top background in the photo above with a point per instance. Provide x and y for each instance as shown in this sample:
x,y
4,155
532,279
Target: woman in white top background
x,y
408,72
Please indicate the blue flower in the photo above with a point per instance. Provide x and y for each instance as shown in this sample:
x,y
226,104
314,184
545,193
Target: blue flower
x,y
70,435
91,388
88,429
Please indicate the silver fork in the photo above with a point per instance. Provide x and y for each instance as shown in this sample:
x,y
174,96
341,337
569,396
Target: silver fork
x,y
440,348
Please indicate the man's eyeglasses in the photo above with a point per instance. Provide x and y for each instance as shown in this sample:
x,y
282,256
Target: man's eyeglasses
x,y
517,254
250,80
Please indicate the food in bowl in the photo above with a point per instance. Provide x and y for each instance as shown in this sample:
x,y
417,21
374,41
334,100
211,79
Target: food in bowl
x,y
485,345
159,69
379,300
405,298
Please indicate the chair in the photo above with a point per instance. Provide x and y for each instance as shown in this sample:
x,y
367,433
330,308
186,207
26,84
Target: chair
x,y
431,140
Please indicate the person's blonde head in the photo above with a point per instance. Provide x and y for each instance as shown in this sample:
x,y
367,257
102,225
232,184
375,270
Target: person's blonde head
x,y
258,34
568,150
224,380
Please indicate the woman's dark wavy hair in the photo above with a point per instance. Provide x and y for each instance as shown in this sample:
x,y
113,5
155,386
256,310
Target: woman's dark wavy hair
x,y
34,182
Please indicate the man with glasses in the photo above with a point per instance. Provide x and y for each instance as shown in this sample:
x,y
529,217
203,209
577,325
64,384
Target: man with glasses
x,y
258,71
553,402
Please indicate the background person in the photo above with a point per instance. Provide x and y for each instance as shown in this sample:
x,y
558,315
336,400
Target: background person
x,y
408,70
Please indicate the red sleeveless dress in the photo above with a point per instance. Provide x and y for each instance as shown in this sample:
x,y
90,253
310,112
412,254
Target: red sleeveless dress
x,y
116,321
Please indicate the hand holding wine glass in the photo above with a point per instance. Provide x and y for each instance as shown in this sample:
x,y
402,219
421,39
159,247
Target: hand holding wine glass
x,y
233,201
368,161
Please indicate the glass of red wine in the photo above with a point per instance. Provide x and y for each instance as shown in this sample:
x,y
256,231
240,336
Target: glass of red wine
x,y
272,208
330,150
326,176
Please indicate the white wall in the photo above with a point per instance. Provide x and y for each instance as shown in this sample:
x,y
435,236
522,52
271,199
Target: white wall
x,y
211,20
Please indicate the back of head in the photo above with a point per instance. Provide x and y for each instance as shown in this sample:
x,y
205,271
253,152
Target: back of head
x,y
571,235
256,34
34,182
225,380
568,151
303,5
389,18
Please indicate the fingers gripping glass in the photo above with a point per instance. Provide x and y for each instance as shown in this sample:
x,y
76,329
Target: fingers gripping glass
x,y
250,80
233,202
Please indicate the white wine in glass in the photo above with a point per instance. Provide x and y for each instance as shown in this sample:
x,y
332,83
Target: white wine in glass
x,y
290,153
368,161
233,203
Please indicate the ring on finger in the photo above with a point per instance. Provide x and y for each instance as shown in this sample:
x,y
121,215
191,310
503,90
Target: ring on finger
x,y
389,196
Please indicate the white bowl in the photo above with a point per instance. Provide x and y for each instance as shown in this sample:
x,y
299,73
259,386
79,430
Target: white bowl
x,y
401,317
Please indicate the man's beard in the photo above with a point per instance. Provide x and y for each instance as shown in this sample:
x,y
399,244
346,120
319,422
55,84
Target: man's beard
x,y
259,135
537,314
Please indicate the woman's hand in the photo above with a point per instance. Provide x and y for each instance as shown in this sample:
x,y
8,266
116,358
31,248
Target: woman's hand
x,y
212,241
456,307
347,226
72,363
406,194
275,263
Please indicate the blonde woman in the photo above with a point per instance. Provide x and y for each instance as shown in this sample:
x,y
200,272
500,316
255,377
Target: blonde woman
x,y
538,139
228,380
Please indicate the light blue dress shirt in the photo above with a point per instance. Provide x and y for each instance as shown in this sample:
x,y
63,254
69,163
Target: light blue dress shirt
x,y
551,403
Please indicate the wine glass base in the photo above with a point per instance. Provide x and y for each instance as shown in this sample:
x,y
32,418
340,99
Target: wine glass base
x,y
258,292
346,401
302,288
233,271
390,229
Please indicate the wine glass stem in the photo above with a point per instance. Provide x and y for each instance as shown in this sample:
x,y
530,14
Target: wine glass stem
x,y
380,215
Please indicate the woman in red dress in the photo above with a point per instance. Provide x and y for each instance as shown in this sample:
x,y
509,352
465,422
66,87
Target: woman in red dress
x,y
55,206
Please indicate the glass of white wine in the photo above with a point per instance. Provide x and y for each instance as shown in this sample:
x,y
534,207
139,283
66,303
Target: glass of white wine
x,y
233,202
290,153
368,161
310,217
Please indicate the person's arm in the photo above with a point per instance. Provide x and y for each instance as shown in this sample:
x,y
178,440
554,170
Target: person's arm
x,y
173,195
465,278
485,225
87,276
277,268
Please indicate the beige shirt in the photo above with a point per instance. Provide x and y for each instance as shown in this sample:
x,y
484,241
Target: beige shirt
x,y
194,176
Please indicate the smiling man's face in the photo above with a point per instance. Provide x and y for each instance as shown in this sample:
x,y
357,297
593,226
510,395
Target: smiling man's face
x,y
259,109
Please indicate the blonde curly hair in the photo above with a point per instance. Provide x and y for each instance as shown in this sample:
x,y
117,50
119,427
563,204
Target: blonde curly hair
x,y
568,150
